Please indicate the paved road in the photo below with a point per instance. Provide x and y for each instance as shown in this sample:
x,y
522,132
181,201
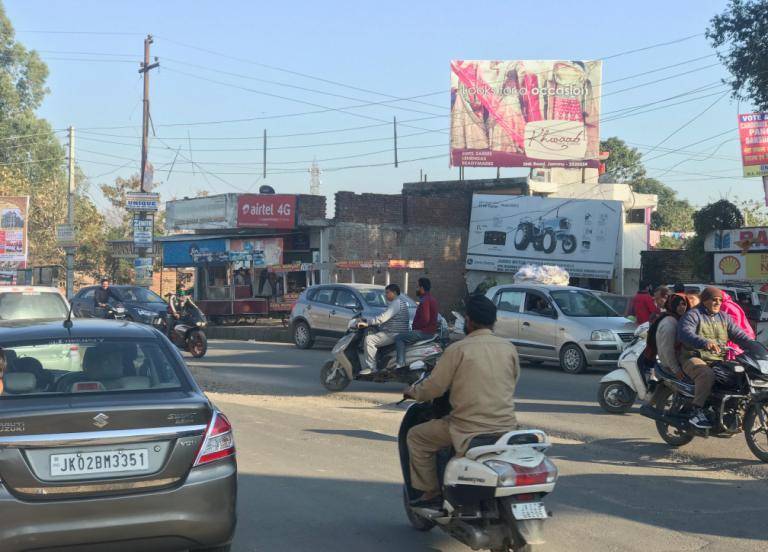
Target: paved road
x,y
319,471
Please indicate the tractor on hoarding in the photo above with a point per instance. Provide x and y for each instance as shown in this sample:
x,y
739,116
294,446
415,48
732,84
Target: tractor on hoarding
x,y
544,234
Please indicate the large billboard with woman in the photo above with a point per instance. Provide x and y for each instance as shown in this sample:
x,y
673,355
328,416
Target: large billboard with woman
x,y
525,113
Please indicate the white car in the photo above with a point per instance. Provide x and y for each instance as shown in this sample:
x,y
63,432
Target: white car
x,y
32,303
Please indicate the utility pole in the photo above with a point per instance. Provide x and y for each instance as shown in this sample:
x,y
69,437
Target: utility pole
x,y
71,213
146,67
144,70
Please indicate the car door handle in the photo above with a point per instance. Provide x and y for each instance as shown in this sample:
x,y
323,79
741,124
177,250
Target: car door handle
x,y
526,324
333,312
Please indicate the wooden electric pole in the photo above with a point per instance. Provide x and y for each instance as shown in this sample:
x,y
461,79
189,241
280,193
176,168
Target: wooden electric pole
x,y
71,213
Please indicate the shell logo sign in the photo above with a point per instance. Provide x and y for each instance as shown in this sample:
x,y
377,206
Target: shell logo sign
x,y
729,265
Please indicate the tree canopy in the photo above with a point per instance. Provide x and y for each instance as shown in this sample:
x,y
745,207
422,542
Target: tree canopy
x,y
739,34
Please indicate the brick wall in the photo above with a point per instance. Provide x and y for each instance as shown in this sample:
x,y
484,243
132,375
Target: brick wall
x,y
310,208
428,222
369,208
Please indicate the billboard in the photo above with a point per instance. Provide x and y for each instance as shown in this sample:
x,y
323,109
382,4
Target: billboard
x,y
201,213
266,211
580,235
525,113
751,238
262,252
734,267
14,245
753,135
193,252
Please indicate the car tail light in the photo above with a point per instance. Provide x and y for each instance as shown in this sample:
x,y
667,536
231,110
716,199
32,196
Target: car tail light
x,y
219,442
514,475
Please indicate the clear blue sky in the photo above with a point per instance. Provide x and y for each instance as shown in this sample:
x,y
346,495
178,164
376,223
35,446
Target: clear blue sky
x,y
398,48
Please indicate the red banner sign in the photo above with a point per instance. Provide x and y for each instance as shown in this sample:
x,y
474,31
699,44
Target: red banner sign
x,y
753,132
266,211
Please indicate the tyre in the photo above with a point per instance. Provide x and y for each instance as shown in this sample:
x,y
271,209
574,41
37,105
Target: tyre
x,y
666,401
572,360
523,236
756,430
417,522
337,382
569,244
548,241
302,335
616,397
197,344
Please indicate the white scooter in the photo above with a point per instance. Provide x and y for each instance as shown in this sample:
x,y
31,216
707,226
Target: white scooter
x,y
620,388
492,496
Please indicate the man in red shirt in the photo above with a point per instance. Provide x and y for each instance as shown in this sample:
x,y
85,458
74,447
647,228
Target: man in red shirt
x,y
424,323
643,306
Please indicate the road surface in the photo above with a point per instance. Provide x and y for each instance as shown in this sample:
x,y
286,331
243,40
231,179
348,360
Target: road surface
x,y
320,472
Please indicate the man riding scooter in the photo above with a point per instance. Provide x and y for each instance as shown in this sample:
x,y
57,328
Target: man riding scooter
x,y
395,320
481,372
704,332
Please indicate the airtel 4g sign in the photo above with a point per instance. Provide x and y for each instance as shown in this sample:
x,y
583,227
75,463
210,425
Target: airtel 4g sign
x,y
266,211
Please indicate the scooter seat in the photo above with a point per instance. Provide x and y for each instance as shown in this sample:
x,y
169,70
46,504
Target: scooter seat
x,y
424,342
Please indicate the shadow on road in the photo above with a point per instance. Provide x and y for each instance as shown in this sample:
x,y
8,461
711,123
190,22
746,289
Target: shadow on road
x,y
356,433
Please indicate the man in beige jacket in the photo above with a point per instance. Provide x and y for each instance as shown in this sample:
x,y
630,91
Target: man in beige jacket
x,y
481,372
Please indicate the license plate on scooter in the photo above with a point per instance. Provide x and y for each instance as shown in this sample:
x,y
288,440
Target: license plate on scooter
x,y
529,510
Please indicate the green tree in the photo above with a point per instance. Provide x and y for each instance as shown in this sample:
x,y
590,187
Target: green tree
x,y
755,212
625,165
742,30
32,158
721,215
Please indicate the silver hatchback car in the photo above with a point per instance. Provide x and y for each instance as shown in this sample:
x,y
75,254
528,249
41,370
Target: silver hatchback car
x,y
567,325
324,311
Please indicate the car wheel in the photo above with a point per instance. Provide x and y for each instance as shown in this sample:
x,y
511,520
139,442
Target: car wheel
x,y
302,335
572,360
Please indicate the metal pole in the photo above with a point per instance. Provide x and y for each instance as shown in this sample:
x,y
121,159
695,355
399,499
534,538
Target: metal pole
x,y
71,214
264,156
394,126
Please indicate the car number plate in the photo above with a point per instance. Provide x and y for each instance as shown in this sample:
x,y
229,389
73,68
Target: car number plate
x,y
104,461
529,510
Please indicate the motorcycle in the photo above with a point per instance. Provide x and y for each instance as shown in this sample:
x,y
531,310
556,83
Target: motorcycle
x,y
349,359
620,388
188,333
114,312
492,496
739,402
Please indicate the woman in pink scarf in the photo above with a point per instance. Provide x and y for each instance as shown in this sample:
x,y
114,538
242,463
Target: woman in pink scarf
x,y
734,310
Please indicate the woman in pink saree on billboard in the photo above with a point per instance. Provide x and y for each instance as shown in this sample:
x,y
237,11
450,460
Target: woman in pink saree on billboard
x,y
468,130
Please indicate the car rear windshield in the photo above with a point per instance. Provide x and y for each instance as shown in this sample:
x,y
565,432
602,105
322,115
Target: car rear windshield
x,y
139,295
87,365
378,298
32,305
581,303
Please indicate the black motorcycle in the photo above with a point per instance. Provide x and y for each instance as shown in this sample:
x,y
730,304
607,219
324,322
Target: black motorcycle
x,y
188,332
739,402
111,311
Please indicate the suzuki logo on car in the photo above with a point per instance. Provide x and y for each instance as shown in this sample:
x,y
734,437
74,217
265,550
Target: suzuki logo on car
x,y
100,420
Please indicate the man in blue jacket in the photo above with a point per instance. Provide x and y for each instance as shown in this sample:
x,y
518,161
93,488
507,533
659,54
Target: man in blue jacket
x,y
703,333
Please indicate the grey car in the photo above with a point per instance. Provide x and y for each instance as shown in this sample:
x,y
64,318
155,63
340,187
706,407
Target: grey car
x,y
107,443
567,325
324,311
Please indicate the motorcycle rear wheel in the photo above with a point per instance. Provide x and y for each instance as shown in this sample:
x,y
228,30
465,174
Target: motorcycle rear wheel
x,y
757,413
417,522
665,402
338,383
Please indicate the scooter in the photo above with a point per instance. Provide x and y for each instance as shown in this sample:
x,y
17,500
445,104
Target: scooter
x,y
492,496
620,389
188,333
349,359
